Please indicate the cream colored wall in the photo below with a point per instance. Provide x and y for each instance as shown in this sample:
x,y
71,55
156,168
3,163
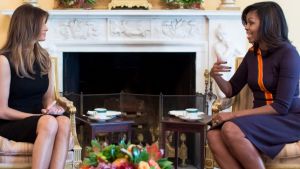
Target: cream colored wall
x,y
290,8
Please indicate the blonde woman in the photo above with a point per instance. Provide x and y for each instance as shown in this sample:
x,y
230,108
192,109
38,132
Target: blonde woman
x,y
28,111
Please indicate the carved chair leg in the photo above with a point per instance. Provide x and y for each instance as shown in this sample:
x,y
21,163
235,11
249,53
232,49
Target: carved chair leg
x,y
209,159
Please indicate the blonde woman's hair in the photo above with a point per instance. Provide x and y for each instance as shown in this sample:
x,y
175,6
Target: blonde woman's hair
x,y
22,41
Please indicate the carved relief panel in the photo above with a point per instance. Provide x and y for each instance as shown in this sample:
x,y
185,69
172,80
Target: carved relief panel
x,y
78,29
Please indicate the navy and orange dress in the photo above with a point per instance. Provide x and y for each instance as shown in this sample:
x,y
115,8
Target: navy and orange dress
x,y
273,77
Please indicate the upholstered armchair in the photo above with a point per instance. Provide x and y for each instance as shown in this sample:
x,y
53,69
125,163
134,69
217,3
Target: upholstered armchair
x,y
18,154
288,158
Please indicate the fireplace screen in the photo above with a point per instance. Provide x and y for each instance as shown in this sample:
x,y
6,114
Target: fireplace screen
x,y
146,111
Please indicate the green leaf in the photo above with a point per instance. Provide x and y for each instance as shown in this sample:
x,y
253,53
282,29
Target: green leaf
x,y
144,156
96,147
164,163
90,162
90,1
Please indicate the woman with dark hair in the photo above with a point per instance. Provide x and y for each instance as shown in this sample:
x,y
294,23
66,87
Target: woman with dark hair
x,y
271,69
28,111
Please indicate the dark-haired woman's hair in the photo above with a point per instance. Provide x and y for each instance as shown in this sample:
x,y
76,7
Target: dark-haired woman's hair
x,y
273,28
22,41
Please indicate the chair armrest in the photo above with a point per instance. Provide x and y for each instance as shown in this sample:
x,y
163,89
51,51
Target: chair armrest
x,y
222,104
69,107
66,104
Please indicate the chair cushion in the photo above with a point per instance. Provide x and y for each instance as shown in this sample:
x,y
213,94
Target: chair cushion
x,y
288,158
18,154
11,148
290,150
15,159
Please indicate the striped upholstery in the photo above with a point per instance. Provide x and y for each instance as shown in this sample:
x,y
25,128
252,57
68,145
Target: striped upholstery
x,y
290,150
9,148
12,152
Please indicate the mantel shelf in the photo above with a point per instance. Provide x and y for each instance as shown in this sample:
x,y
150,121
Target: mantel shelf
x,y
174,12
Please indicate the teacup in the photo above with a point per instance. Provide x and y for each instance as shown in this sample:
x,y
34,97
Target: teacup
x,y
192,112
100,112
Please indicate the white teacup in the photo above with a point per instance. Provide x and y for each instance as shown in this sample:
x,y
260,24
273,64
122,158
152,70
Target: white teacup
x,y
100,112
192,113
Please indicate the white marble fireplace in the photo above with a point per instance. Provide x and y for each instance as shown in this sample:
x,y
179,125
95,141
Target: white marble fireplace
x,y
144,31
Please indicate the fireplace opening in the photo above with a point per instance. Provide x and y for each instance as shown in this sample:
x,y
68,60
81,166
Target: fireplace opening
x,y
132,82
131,72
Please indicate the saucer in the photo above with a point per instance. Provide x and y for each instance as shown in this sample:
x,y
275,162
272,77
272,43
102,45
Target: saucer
x,y
178,113
192,117
107,113
101,118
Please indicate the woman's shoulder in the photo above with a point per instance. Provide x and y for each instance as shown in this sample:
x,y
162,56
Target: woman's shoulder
x,y
4,63
287,47
3,60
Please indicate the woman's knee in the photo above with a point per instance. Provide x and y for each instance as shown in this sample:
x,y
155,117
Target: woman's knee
x,y
47,124
230,131
64,124
213,137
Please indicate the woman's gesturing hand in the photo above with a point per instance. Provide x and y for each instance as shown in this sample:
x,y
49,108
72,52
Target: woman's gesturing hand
x,y
218,68
53,109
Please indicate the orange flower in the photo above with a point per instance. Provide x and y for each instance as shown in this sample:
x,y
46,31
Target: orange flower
x,y
154,164
143,165
154,152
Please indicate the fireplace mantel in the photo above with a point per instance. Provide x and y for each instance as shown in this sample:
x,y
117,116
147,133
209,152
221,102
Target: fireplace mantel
x,y
144,31
158,12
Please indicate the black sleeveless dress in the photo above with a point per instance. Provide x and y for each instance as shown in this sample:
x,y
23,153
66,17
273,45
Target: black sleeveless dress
x,y
25,95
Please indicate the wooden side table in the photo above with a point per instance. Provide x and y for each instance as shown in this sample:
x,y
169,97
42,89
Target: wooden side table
x,y
177,125
92,128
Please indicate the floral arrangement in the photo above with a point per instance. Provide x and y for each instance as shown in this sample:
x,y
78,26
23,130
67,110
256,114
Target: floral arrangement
x,y
184,3
76,3
124,156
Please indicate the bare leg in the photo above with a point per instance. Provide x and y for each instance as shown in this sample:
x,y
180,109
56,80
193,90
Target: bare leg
x,y
221,153
61,144
43,145
241,147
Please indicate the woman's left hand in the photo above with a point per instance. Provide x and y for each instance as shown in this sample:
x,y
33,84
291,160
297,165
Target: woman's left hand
x,y
221,117
54,109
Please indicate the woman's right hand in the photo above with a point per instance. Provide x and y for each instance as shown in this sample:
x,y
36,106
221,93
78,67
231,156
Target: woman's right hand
x,y
53,109
219,68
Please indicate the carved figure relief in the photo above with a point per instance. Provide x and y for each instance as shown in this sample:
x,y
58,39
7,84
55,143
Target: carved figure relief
x,y
130,28
179,28
78,29
225,50
170,150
